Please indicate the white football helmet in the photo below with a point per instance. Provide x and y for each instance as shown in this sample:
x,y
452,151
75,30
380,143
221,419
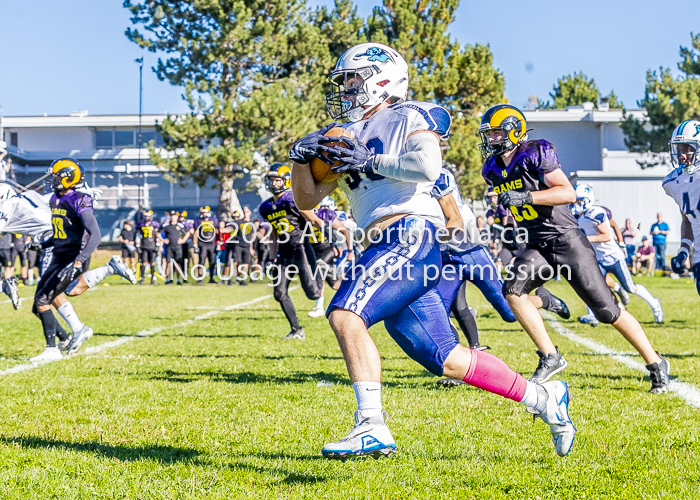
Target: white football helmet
x,y
685,146
365,76
327,202
6,191
585,199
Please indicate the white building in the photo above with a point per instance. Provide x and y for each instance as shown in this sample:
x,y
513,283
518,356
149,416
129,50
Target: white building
x,y
590,144
107,147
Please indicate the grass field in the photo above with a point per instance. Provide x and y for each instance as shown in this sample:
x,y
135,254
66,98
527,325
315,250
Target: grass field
x,y
219,407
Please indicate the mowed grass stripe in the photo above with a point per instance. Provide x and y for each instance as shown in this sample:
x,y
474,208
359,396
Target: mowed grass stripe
x,y
686,391
142,334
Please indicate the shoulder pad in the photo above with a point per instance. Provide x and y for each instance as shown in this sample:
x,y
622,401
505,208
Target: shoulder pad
x,y
672,176
432,117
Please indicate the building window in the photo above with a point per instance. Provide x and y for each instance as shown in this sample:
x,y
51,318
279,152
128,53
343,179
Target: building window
x,y
13,139
124,138
103,139
116,138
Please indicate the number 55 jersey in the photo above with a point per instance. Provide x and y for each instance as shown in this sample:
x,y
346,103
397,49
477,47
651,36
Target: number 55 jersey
x,y
373,196
526,171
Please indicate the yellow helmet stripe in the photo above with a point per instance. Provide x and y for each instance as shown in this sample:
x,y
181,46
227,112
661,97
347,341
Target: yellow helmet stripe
x,y
504,113
60,165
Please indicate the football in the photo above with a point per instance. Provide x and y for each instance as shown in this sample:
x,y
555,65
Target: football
x,y
321,170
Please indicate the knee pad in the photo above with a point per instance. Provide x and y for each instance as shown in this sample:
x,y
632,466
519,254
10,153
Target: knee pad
x,y
279,295
607,315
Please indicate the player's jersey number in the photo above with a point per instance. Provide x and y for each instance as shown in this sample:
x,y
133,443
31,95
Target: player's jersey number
x,y
355,178
686,206
147,231
282,225
58,231
528,213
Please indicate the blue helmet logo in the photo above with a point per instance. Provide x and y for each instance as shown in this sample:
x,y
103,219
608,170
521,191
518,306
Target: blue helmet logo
x,y
375,54
697,130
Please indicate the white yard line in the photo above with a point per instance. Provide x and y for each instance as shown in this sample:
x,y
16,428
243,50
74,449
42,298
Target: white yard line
x,y
143,333
688,392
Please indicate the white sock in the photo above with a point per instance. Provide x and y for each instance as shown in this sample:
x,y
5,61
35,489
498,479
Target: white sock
x,y
616,288
369,398
94,276
68,313
319,303
530,398
645,295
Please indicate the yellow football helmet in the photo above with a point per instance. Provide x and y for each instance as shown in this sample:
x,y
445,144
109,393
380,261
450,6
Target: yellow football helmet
x,y
66,173
205,211
510,120
278,170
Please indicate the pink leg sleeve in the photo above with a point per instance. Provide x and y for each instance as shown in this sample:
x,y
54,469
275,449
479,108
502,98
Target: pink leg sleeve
x,y
489,373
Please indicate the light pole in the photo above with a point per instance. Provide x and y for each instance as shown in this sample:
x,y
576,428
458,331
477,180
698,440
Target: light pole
x,y
140,141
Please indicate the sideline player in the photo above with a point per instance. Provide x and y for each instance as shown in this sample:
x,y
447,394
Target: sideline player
x,y
679,185
242,244
127,238
204,241
148,232
389,169
594,222
530,182
289,223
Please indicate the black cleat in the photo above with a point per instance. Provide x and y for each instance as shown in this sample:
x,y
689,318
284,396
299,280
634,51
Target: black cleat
x,y
553,303
659,375
449,382
550,364
624,296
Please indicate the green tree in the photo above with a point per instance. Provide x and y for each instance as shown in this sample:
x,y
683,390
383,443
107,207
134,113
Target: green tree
x,y
460,78
253,73
574,90
668,101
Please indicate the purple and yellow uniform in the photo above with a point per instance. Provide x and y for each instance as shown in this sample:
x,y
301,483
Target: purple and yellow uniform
x,y
554,243
526,172
292,250
148,231
73,219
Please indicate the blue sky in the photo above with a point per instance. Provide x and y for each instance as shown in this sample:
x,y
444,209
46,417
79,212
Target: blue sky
x,y
60,56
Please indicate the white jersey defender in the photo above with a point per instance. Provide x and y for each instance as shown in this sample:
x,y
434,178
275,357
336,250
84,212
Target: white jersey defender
x,y
685,190
373,196
608,252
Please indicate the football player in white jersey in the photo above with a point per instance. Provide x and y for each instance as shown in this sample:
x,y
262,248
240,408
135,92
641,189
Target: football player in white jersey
x,y
467,260
594,222
9,285
390,165
28,213
679,185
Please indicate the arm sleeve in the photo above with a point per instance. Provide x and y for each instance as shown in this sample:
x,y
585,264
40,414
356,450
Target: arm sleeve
x,y
422,161
90,223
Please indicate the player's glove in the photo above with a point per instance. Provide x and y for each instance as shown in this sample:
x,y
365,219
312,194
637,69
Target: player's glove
x,y
678,261
69,273
515,198
307,148
195,248
355,157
